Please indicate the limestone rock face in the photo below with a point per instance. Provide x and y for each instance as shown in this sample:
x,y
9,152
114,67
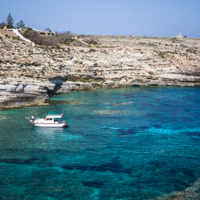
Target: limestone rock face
x,y
30,74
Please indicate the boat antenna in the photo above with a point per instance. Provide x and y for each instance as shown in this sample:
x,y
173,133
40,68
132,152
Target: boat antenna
x,y
62,112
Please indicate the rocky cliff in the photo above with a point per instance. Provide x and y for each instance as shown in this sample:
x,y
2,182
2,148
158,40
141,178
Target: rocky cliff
x,y
29,75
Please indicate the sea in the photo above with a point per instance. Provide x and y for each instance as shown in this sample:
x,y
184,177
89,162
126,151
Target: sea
x,y
121,144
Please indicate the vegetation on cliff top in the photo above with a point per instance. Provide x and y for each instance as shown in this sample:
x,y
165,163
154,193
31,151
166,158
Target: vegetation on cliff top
x,y
10,23
66,38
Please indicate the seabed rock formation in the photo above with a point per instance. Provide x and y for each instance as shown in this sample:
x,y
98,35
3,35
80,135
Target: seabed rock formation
x,y
190,193
30,75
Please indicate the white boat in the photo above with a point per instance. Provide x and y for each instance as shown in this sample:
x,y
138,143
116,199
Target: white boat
x,y
50,121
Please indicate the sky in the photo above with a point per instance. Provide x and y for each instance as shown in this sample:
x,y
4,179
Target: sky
x,y
153,18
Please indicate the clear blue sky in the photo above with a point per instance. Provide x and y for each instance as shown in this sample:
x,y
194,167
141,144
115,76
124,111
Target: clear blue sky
x,y
108,17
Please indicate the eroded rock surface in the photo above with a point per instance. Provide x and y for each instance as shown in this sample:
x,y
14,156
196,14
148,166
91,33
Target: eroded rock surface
x,y
190,193
32,74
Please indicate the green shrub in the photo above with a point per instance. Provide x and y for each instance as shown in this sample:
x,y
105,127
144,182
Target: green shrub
x,y
27,29
92,50
91,41
72,78
151,73
84,79
66,51
174,39
161,54
190,51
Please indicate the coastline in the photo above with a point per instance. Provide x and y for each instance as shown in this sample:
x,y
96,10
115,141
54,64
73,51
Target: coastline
x,y
30,75
31,98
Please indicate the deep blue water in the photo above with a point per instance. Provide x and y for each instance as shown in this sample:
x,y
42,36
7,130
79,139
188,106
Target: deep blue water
x,y
130,143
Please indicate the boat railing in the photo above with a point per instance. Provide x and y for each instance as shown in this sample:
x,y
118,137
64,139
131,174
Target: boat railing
x,y
29,119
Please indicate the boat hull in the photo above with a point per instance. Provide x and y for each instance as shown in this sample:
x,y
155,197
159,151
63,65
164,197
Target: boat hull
x,y
50,125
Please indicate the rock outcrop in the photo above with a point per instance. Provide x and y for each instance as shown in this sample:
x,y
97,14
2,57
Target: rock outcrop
x,y
190,193
32,74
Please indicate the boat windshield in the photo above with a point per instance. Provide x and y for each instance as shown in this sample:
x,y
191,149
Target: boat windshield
x,y
58,119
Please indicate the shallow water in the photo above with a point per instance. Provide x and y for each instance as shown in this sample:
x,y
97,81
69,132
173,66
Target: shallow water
x,y
130,143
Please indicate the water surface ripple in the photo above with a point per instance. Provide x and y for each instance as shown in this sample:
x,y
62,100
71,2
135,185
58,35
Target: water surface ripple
x,y
130,143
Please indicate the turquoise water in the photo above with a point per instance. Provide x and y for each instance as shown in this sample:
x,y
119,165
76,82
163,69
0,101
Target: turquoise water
x,y
130,143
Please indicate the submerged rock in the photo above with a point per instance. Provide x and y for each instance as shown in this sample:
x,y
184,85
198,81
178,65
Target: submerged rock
x,y
109,112
122,104
190,193
3,117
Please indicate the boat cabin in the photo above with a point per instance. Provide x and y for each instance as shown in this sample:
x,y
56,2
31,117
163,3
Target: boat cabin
x,y
54,118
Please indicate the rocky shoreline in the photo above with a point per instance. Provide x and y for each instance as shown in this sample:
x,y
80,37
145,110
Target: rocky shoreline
x,y
24,93
30,75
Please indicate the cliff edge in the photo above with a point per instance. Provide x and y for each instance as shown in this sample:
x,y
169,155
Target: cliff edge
x,y
29,75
